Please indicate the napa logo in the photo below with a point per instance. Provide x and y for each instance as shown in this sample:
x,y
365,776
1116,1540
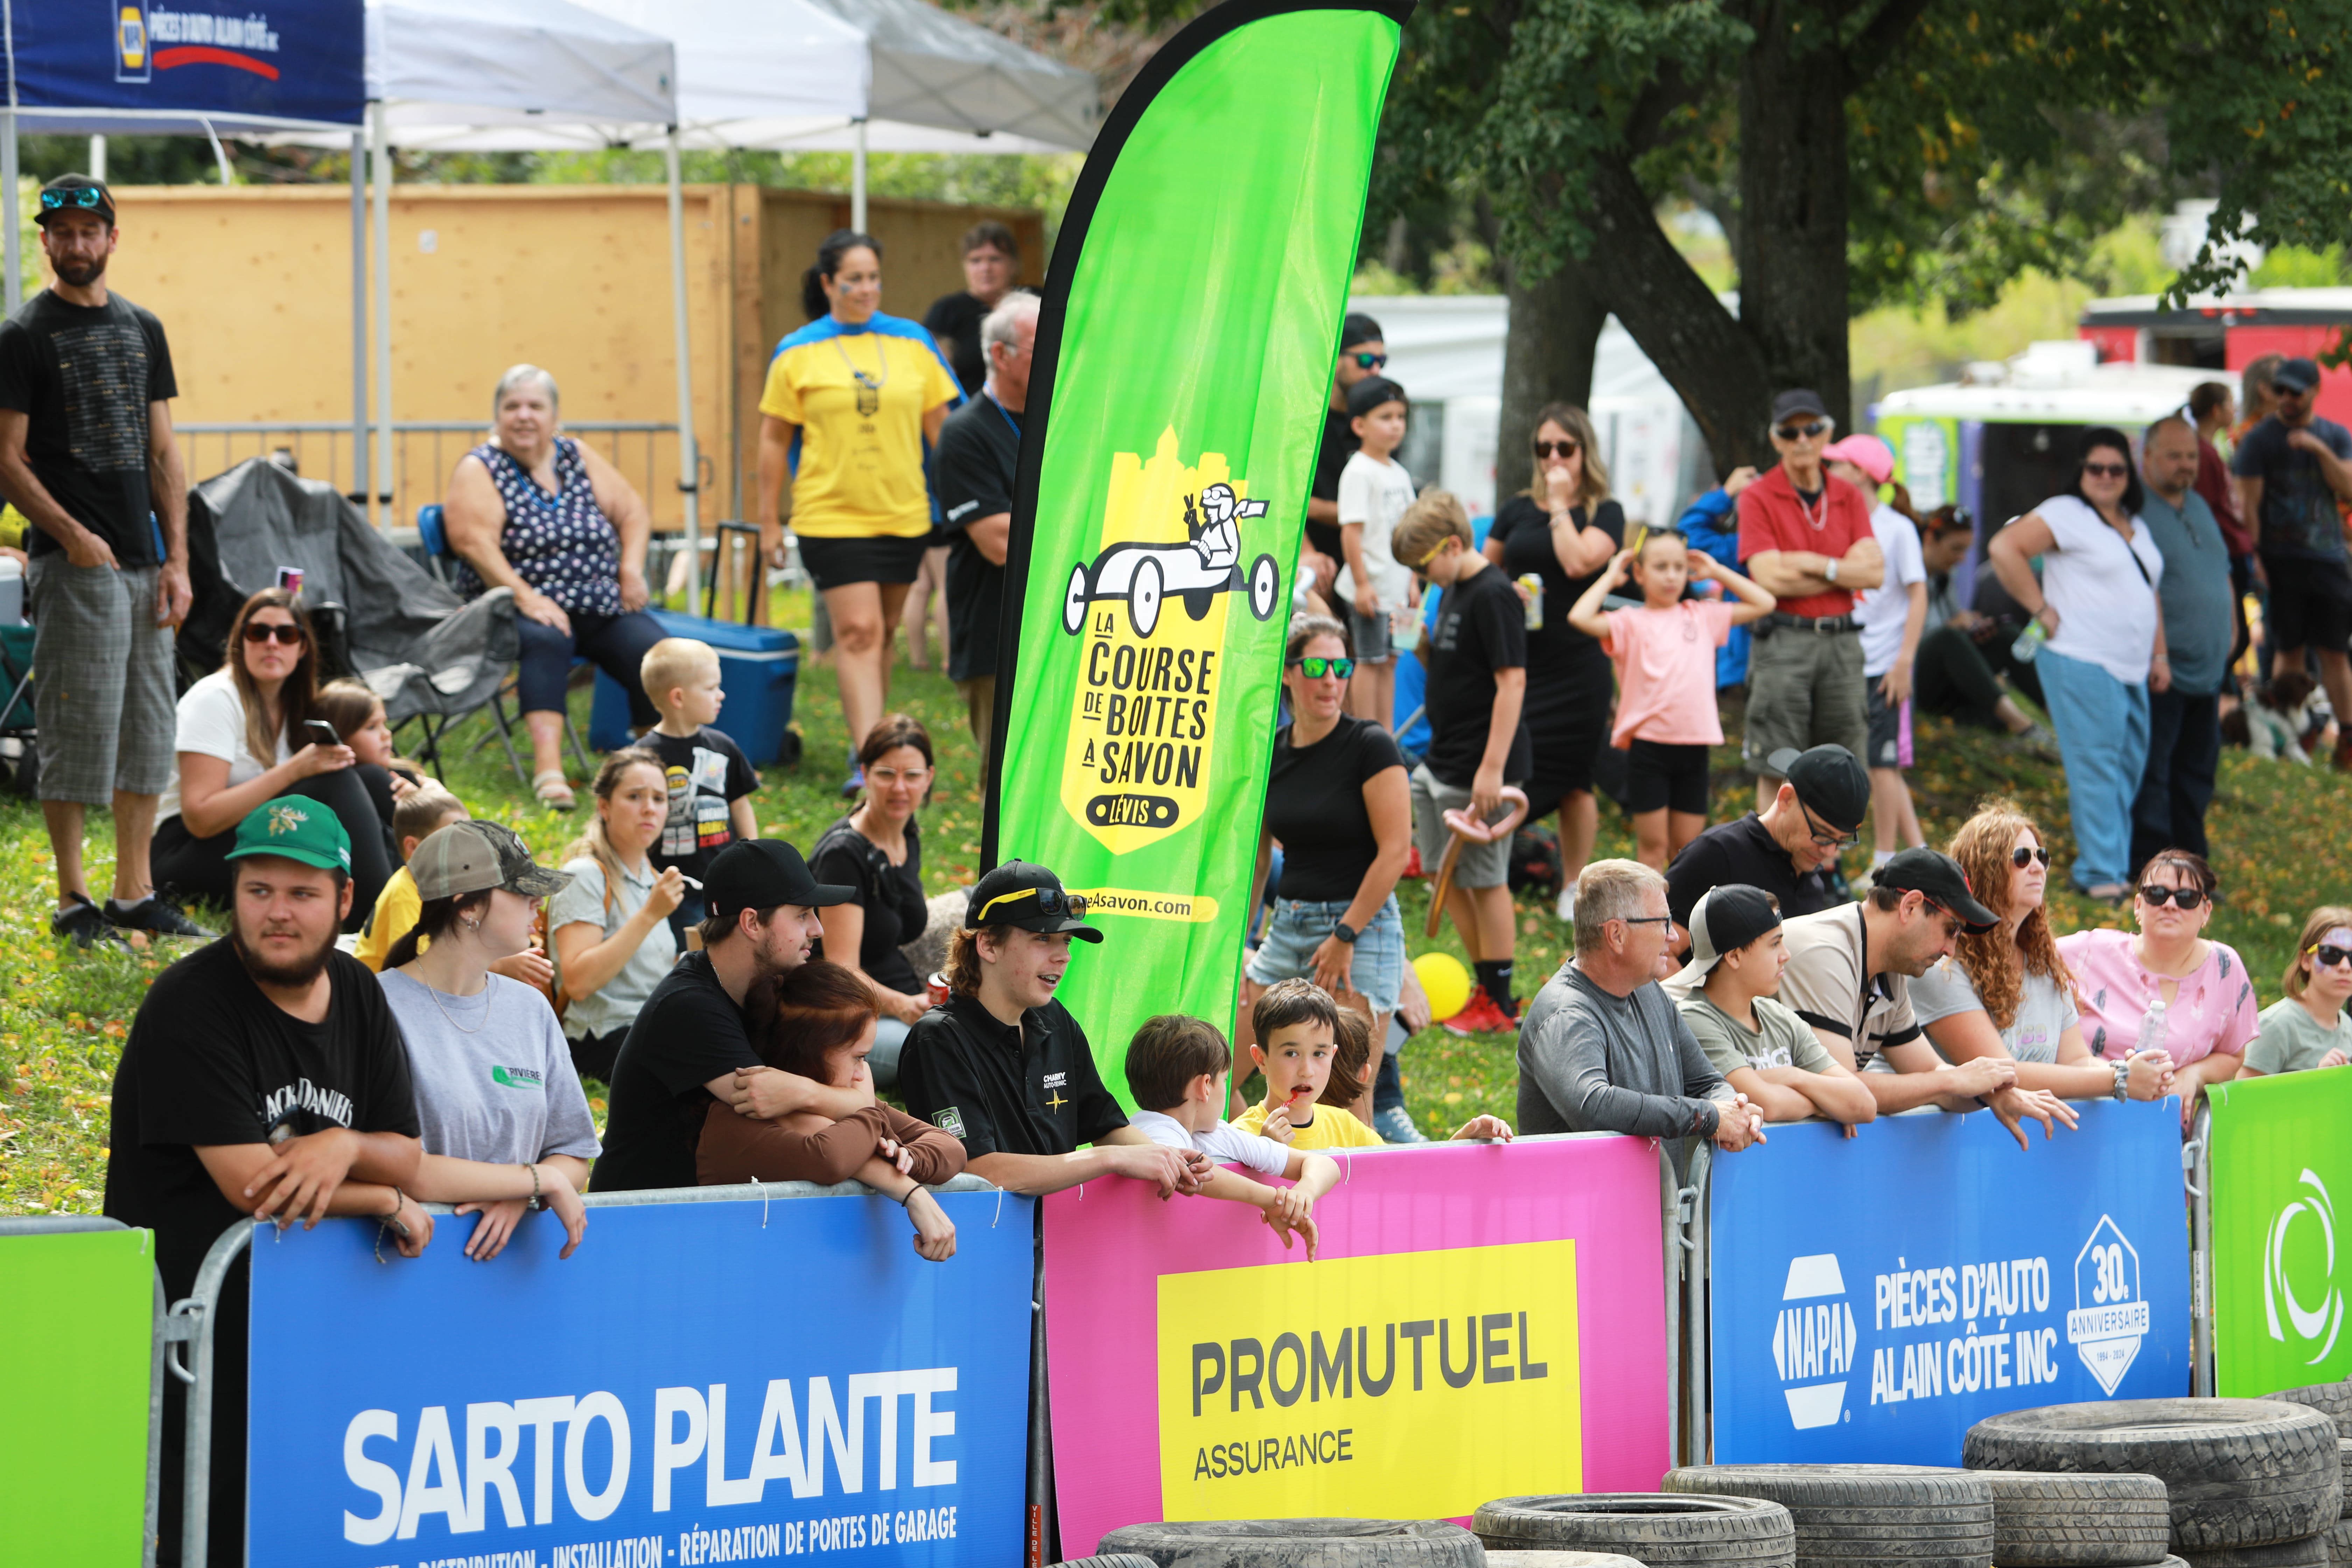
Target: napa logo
x,y
2321,1322
1813,1340
132,61
1152,609
2111,1314
151,38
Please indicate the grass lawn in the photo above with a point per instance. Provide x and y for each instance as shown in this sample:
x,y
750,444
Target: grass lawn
x,y
63,1014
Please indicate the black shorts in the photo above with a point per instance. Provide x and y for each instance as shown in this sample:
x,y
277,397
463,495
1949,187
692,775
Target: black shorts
x,y
1660,777
2310,604
1890,733
881,558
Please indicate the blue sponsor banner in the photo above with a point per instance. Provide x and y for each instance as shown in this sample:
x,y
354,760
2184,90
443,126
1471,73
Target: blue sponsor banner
x,y
1873,1298
728,1382
278,61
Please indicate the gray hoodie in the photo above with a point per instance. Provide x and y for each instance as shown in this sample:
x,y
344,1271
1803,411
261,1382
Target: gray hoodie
x,y
1591,1062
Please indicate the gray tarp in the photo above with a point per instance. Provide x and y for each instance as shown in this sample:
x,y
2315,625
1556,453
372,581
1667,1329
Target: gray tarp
x,y
422,648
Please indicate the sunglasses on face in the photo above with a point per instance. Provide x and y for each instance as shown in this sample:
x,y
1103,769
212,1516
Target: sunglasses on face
x,y
2187,898
2328,954
1316,669
1368,360
1050,901
2022,856
1804,432
2107,470
89,196
257,632
1558,450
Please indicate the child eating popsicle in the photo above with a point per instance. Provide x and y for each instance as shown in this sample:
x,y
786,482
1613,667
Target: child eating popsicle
x,y
1296,1024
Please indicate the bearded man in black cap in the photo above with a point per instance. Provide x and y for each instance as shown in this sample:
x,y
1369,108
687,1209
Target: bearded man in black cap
x,y
1003,1067
2294,479
1788,849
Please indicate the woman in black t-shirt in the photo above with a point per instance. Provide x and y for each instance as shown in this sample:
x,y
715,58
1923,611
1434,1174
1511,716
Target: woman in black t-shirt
x,y
1338,802
1564,529
877,849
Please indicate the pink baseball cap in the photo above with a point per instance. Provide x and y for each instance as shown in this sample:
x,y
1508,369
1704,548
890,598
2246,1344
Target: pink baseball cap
x,y
1868,453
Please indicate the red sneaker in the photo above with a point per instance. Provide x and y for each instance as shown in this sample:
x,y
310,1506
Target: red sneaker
x,y
1481,1017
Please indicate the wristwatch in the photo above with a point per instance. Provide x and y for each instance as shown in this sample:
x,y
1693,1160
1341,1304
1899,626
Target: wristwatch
x,y
1345,932
1829,573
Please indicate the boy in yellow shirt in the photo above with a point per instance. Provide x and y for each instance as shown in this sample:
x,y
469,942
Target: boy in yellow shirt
x,y
1296,1024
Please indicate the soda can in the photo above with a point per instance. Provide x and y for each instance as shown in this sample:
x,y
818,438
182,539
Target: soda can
x,y
290,579
1532,582
936,987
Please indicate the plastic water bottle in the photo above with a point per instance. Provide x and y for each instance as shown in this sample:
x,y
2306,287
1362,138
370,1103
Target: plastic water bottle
x,y
2029,642
2152,1028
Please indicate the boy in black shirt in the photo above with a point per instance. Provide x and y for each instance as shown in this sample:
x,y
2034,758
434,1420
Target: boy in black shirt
x,y
1478,659
710,780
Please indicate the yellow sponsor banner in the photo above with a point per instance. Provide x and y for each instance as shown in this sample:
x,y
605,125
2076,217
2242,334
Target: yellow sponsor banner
x,y
1402,1385
1196,908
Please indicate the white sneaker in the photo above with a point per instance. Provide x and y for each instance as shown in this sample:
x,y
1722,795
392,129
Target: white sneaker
x,y
1568,903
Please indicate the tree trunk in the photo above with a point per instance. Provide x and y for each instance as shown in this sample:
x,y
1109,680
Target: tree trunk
x,y
1792,209
1547,358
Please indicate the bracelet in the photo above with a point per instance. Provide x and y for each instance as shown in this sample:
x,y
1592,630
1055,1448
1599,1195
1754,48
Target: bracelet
x,y
2123,1079
537,1203
909,1196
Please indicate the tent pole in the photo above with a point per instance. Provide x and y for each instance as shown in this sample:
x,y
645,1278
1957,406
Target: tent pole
x,y
689,460
383,474
857,181
15,258
98,159
360,466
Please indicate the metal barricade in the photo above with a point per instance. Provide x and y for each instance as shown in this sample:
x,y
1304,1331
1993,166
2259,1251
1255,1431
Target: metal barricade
x,y
2197,1174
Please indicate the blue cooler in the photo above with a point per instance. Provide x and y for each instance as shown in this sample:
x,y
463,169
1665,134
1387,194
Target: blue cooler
x,y
758,668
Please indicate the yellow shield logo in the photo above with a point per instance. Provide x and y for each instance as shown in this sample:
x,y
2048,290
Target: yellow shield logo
x,y
1151,607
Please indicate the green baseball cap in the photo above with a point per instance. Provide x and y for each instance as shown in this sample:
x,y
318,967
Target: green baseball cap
x,y
297,828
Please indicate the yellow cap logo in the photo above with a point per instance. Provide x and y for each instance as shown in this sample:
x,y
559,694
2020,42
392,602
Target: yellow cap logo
x,y
287,819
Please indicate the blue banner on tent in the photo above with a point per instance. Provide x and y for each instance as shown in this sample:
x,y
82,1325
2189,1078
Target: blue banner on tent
x,y
295,60
702,1382
1871,1298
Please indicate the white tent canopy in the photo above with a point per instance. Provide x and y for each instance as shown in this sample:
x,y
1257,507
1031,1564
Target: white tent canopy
x,y
515,74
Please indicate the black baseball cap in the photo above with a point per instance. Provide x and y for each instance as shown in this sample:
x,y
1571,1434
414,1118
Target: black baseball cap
x,y
1798,400
1025,894
2295,376
1725,920
1360,327
76,192
1939,877
1830,782
1371,393
761,874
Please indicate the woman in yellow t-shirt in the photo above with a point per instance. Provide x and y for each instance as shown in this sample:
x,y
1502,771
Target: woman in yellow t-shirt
x,y
851,400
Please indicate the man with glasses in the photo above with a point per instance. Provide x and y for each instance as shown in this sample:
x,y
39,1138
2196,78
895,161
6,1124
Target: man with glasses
x,y
1790,848
2294,479
1806,537
1003,1067
979,451
1362,352
1603,1049
86,452
1848,976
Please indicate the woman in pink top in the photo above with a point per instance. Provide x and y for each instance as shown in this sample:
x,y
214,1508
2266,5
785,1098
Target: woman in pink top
x,y
2210,1011
1667,716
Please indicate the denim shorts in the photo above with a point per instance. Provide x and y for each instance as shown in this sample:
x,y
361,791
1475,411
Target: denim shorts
x,y
1298,928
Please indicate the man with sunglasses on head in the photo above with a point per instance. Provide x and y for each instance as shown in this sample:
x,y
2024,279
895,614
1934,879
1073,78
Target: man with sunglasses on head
x,y
2294,480
1806,537
86,452
1848,976
1790,848
1003,1067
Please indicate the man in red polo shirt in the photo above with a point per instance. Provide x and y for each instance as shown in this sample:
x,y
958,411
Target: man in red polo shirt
x,y
1807,538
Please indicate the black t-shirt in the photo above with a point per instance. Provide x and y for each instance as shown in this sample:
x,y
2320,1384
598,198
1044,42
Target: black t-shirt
x,y
891,896
708,772
212,1060
1743,851
979,452
1340,444
2300,517
1525,529
1315,808
956,318
1481,627
84,375
688,1032
1002,1090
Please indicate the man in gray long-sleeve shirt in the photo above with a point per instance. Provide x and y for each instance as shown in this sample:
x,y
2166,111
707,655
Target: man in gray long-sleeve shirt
x,y
1603,1049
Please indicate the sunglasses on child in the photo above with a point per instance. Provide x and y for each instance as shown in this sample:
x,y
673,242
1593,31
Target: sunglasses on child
x,y
2022,856
1050,901
1316,669
2187,898
1558,450
1368,360
2328,954
257,632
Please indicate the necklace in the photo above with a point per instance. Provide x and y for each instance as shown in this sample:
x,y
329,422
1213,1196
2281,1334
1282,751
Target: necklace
x,y
869,387
1816,515
436,994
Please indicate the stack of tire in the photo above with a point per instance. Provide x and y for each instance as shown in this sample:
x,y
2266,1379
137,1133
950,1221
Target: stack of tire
x,y
2248,1483
2334,1401
1655,1530
1288,1544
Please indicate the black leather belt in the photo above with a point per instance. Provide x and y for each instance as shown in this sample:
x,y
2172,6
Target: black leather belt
x,y
1823,625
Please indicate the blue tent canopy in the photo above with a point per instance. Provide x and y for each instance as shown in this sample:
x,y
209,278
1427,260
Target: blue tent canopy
x,y
99,66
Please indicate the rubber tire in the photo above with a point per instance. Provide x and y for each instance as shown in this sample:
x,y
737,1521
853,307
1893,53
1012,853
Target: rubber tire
x,y
1535,1559
1656,1531
1859,1515
1299,1543
2041,1519
2331,1399
2311,1551
2239,1472
2339,1545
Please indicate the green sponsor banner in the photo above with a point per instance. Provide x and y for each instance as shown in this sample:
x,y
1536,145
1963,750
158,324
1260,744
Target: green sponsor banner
x,y
2280,1168
78,1316
1182,366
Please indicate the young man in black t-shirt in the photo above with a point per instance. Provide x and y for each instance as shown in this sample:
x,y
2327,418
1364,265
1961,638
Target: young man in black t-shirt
x,y
264,1075
992,266
1361,353
979,454
688,1045
1478,659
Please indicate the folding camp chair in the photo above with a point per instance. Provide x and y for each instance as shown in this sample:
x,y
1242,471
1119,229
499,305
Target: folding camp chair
x,y
16,720
435,538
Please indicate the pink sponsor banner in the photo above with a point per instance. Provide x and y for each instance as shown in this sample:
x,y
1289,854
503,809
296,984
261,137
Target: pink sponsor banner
x,y
1482,1320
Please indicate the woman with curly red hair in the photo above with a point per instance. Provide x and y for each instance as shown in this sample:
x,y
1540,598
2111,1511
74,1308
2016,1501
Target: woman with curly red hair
x,y
2006,992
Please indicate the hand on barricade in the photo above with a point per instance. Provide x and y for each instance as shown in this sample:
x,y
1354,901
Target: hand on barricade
x,y
408,1224
530,966
2150,1077
1983,1075
499,1217
1739,1124
934,1232
2014,1106
1284,1224
1493,1127
897,1155
301,1179
1171,1170
2335,1058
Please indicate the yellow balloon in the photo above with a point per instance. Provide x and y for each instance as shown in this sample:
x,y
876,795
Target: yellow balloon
x,y
1446,981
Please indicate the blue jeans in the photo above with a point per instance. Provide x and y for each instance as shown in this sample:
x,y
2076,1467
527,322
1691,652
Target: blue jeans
x,y
2184,748
2103,735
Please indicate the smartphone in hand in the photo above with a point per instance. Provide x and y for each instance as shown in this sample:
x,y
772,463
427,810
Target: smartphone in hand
x,y
321,732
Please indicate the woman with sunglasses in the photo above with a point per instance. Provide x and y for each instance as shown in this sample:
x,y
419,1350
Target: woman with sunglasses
x,y
2308,1028
2207,1011
1564,529
1338,802
2005,992
878,849
2095,603
243,739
